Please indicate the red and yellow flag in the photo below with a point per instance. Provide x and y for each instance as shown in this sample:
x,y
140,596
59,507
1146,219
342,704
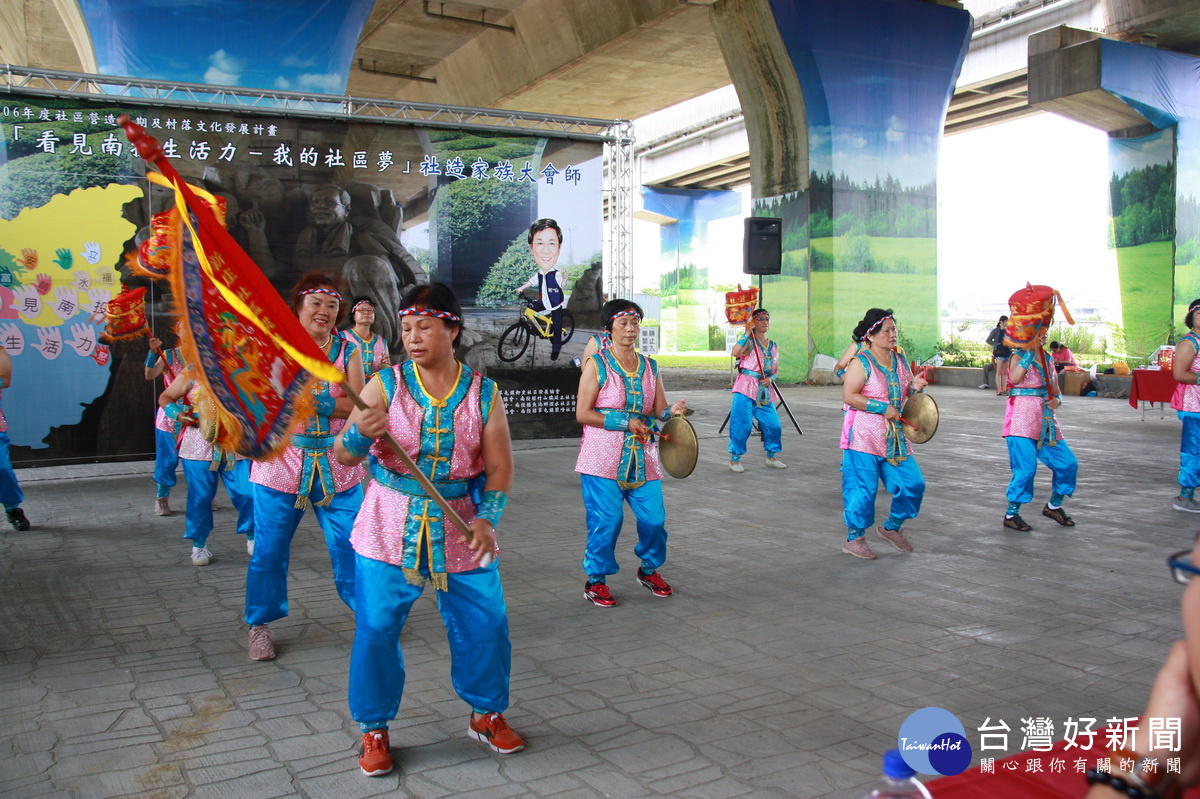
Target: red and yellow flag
x,y
239,337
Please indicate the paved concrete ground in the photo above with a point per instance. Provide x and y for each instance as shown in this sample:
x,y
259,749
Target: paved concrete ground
x,y
779,668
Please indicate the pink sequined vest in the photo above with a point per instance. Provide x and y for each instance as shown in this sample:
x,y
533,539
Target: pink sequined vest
x,y
444,436
600,450
870,432
283,472
1187,396
747,384
1025,414
174,365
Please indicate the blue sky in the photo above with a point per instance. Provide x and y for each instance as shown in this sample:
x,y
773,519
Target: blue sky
x,y
294,45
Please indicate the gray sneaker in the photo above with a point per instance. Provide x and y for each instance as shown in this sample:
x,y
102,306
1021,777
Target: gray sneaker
x,y
1186,504
262,643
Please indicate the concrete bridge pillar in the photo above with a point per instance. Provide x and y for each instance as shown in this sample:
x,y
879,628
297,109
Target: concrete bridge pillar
x,y
844,106
1148,102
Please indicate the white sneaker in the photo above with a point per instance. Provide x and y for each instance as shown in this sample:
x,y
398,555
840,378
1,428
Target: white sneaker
x,y
249,546
776,464
983,385
201,556
734,466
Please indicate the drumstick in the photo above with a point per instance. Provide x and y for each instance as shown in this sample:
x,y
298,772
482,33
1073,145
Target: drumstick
x,y
910,424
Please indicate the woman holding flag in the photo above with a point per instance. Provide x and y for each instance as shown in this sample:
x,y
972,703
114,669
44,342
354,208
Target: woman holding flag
x,y
450,421
754,393
306,473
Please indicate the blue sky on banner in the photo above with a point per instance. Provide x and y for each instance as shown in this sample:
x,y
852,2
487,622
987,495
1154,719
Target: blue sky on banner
x,y
292,45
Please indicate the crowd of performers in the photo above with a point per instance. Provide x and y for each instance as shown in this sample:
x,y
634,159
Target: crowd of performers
x,y
387,539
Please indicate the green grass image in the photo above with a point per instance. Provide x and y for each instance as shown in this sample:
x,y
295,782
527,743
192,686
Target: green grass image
x,y
1146,274
692,320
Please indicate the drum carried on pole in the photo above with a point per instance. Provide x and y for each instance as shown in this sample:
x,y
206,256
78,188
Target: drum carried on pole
x,y
920,418
678,447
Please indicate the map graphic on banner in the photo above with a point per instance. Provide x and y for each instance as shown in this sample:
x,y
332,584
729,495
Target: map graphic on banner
x,y
379,206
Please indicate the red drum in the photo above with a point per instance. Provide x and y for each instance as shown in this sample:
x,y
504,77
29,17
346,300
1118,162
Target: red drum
x,y
1031,312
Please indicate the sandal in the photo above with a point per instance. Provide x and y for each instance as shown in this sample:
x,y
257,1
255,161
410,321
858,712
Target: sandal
x,y
1059,515
1015,522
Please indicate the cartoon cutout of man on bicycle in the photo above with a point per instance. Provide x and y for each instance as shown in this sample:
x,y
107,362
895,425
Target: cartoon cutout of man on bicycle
x,y
545,242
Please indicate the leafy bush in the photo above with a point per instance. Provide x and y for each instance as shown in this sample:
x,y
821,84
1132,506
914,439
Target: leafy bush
x,y
512,269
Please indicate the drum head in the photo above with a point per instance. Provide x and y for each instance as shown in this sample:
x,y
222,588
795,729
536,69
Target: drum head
x,y
678,448
922,413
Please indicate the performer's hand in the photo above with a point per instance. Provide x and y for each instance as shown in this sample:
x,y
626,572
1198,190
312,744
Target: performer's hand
x,y
750,325
919,383
483,540
1053,402
639,429
155,344
891,413
679,408
372,422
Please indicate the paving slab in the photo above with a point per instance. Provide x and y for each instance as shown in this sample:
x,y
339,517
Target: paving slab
x,y
780,667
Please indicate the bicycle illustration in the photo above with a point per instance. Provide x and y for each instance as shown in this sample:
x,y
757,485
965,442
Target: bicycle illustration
x,y
516,337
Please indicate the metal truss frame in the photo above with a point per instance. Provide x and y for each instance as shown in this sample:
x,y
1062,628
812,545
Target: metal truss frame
x,y
616,135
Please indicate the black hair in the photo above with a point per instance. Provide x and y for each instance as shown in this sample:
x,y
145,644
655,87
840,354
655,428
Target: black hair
x,y
1054,345
540,225
614,307
1192,306
436,297
1003,319
873,317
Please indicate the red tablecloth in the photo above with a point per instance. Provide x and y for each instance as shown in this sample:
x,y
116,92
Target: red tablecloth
x,y
1151,385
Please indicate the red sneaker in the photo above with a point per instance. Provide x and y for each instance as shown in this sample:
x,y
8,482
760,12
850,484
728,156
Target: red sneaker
x,y
375,759
598,594
654,581
494,731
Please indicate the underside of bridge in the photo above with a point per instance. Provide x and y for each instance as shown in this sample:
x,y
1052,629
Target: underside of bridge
x,y
607,59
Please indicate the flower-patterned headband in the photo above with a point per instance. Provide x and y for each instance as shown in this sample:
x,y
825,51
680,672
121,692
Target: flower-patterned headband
x,y
330,292
627,312
360,304
761,313
417,310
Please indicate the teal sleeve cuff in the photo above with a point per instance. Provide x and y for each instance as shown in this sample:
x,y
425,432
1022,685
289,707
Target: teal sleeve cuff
x,y
876,406
615,420
492,506
355,443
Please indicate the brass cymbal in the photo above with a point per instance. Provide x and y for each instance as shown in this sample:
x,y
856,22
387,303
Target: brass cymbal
x,y
921,415
678,448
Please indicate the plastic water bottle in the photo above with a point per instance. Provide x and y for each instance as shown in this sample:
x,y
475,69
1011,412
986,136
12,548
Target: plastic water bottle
x,y
898,780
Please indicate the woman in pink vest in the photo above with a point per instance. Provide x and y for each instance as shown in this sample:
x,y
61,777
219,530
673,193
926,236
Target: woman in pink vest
x,y
620,395
306,473
878,382
450,420
1186,403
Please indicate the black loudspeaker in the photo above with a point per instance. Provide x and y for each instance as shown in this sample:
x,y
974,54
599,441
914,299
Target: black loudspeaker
x,y
762,247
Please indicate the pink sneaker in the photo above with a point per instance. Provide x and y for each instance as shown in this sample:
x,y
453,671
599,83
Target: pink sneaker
x,y
858,548
895,538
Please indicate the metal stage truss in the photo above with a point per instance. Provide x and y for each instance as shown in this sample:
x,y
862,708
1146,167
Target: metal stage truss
x,y
616,135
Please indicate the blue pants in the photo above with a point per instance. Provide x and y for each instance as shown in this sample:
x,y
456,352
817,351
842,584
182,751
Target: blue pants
x,y
276,518
740,413
476,620
861,473
202,487
1189,450
1023,455
11,495
166,457
604,505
